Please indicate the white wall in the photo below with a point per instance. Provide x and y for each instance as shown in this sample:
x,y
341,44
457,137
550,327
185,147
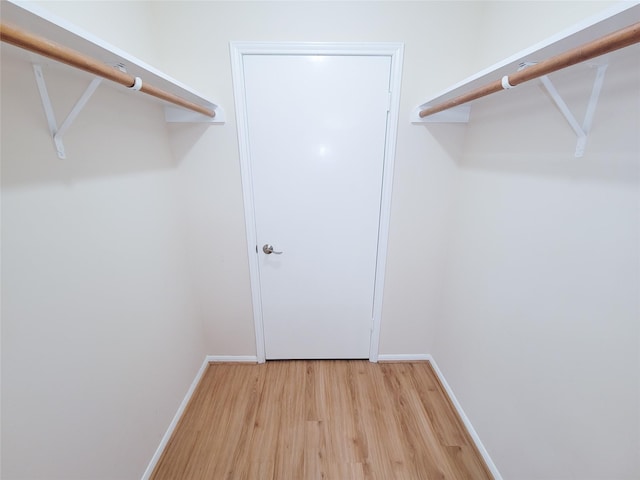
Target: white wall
x,y
539,335
125,24
507,27
101,337
467,208
209,162
441,47
199,56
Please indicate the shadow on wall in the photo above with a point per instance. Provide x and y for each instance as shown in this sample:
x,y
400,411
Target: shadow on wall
x,y
184,136
452,137
118,132
521,131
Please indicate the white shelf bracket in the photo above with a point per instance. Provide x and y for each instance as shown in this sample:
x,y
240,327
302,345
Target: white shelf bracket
x,y
57,133
582,131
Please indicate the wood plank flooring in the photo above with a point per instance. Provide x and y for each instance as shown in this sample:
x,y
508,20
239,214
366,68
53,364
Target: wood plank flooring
x,y
329,419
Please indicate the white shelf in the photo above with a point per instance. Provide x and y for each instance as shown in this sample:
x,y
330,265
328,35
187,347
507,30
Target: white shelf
x,y
41,22
616,18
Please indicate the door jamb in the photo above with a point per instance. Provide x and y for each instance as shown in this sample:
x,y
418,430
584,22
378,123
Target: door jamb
x,y
395,51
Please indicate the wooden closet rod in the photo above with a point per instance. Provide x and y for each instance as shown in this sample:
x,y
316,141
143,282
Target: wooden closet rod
x,y
42,46
609,43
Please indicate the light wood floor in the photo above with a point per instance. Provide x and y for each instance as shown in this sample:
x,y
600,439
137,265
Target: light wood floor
x,y
299,420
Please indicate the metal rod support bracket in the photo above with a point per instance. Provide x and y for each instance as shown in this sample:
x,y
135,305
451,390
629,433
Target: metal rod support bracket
x,y
581,131
461,113
58,133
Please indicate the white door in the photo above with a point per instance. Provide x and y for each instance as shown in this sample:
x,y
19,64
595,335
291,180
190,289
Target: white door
x,y
316,140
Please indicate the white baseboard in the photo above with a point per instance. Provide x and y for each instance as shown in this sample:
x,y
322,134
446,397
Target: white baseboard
x,y
411,357
174,422
165,439
467,423
232,358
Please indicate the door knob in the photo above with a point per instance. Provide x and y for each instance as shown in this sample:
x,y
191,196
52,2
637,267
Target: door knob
x,y
268,249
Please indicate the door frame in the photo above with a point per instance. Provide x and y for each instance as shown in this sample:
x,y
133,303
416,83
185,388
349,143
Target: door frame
x,y
393,50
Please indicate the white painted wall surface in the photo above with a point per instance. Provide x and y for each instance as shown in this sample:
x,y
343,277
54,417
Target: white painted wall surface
x,y
503,376
208,157
508,27
540,334
126,24
424,167
209,162
101,337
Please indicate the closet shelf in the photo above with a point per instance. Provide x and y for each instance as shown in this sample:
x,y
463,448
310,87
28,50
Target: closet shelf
x,y
30,18
612,20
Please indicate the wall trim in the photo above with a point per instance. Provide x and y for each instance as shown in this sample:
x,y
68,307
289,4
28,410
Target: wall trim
x,y
404,357
232,358
176,419
463,416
